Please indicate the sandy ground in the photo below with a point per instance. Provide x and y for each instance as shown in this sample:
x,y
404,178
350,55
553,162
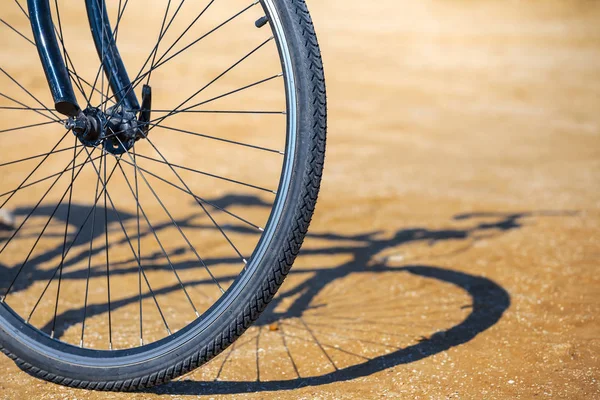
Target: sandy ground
x,y
456,241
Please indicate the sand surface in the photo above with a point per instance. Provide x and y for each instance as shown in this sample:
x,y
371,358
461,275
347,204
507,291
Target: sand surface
x,y
455,248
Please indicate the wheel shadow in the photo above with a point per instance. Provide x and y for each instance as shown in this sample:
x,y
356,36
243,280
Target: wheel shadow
x,y
304,300
488,301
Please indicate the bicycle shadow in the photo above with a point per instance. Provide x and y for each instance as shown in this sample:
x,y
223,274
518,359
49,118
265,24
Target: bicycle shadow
x,y
485,301
489,301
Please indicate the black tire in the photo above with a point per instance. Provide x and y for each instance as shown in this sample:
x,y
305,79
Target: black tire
x,y
189,348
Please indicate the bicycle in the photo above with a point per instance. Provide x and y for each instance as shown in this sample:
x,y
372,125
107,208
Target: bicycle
x,y
121,294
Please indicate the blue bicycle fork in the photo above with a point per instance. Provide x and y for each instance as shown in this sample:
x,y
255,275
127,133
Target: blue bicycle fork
x,y
54,66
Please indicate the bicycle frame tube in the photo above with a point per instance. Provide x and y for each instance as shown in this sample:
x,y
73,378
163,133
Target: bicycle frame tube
x,y
54,66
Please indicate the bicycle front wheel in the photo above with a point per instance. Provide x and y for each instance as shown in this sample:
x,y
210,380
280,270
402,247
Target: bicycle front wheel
x,y
125,269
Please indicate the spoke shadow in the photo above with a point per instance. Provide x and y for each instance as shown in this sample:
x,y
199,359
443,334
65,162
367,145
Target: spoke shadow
x,y
305,301
488,302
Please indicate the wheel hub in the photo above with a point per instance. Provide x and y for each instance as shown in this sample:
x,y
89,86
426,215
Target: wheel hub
x,y
116,129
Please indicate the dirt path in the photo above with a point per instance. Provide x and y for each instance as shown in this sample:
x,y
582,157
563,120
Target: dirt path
x,y
456,242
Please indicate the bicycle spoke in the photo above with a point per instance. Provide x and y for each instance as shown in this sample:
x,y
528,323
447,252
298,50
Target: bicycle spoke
x,y
140,76
160,36
33,171
16,31
34,245
175,224
162,315
120,13
200,204
29,93
73,73
197,197
94,89
36,156
104,183
70,69
155,50
20,128
139,249
68,249
26,107
68,58
89,269
63,258
21,108
42,180
157,240
162,247
135,256
64,239
155,236
218,139
48,222
206,173
257,112
160,61
219,97
16,231
217,77
72,242
22,9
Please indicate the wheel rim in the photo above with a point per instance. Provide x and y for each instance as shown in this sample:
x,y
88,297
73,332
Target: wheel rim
x,y
130,226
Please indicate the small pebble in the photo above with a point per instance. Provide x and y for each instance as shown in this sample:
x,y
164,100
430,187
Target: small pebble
x,y
274,327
